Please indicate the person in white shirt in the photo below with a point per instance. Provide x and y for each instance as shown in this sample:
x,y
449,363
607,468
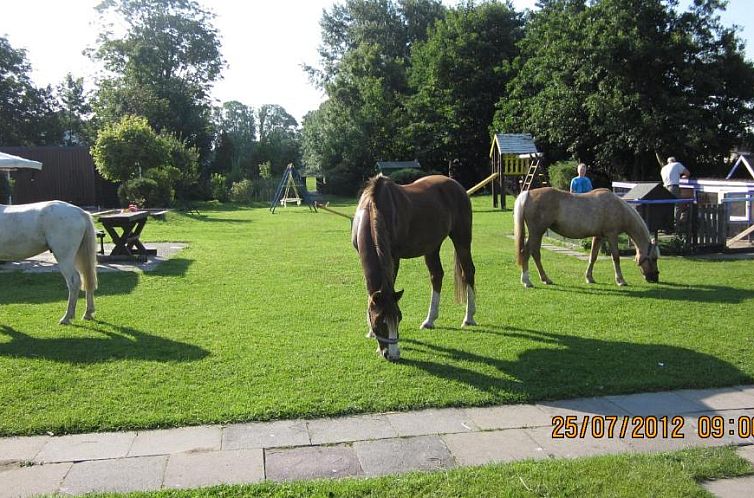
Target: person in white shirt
x,y
671,175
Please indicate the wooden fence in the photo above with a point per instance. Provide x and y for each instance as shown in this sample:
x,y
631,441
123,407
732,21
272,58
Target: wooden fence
x,y
68,174
711,226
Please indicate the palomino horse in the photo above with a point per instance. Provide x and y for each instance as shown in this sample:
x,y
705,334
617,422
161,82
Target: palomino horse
x,y
395,222
30,229
599,214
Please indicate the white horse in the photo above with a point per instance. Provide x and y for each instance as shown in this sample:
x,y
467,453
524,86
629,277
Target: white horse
x,y
68,231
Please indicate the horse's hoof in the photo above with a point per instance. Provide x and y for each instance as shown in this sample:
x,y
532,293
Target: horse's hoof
x,y
621,284
65,321
89,316
527,284
590,280
547,282
427,325
468,323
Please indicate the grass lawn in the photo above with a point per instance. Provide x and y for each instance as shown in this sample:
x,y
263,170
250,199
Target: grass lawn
x,y
671,474
262,317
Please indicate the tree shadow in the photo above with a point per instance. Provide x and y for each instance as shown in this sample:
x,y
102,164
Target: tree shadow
x,y
117,342
174,267
571,366
668,291
38,288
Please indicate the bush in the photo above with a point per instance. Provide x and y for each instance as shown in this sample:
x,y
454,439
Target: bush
x,y
140,191
408,175
218,188
341,180
242,192
561,173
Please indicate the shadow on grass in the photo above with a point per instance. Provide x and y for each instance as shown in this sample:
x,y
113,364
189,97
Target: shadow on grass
x,y
175,267
37,288
570,366
117,342
669,291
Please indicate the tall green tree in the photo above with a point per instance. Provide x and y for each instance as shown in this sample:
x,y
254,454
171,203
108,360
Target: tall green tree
x,y
364,56
279,138
27,114
235,141
74,111
162,67
614,82
457,75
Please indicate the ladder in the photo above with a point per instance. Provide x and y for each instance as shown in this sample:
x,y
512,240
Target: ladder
x,y
533,168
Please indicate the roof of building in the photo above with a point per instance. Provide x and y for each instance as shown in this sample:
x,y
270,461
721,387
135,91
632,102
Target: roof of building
x,y
514,143
383,165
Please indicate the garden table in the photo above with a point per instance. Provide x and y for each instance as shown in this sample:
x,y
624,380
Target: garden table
x,y
127,242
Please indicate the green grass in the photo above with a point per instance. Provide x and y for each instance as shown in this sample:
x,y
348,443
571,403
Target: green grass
x,y
262,317
667,475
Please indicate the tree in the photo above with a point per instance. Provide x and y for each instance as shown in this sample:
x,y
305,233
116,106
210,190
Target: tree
x,y
458,75
235,140
162,68
614,82
364,56
279,140
150,166
27,113
74,109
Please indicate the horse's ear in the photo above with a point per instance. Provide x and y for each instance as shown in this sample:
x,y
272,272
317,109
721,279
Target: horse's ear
x,y
398,295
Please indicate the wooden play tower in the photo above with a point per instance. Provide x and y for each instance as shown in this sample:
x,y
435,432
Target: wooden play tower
x,y
512,155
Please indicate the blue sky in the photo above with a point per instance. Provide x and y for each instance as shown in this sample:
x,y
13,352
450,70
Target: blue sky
x,y
264,42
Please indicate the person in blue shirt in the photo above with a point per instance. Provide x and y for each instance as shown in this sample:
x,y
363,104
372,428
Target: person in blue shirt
x,y
581,184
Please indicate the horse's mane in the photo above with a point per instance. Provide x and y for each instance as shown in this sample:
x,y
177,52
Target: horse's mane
x,y
638,221
380,193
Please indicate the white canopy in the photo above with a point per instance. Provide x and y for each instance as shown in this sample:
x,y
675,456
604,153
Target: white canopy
x,y
9,162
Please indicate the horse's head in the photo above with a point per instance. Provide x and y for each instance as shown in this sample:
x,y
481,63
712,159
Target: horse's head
x,y
647,261
384,317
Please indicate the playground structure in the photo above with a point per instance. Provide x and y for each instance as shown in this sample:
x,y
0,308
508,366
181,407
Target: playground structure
x,y
512,155
292,188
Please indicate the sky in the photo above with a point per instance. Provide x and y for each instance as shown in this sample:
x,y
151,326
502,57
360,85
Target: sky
x,y
263,42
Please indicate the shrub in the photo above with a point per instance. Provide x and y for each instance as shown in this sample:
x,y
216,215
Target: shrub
x,y
140,191
242,192
218,188
561,173
408,175
341,180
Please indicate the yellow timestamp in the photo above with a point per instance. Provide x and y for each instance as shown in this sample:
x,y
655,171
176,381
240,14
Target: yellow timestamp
x,y
614,426
718,426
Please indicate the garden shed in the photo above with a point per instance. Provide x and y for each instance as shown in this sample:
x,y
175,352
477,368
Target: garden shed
x,y
657,215
511,155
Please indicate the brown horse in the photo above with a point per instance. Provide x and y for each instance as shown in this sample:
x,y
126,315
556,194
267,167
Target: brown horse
x,y
599,214
395,222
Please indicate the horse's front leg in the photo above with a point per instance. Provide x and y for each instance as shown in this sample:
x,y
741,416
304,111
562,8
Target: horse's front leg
x,y
596,243
613,241
436,273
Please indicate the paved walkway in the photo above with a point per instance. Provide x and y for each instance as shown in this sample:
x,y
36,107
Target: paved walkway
x,y
366,445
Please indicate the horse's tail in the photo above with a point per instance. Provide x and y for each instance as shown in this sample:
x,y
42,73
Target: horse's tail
x,y
86,256
464,279
519,229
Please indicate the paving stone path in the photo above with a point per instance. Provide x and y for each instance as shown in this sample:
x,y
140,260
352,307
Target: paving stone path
x,y
365,445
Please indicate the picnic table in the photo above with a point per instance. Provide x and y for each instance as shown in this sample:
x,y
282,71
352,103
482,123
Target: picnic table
x,y
125,231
